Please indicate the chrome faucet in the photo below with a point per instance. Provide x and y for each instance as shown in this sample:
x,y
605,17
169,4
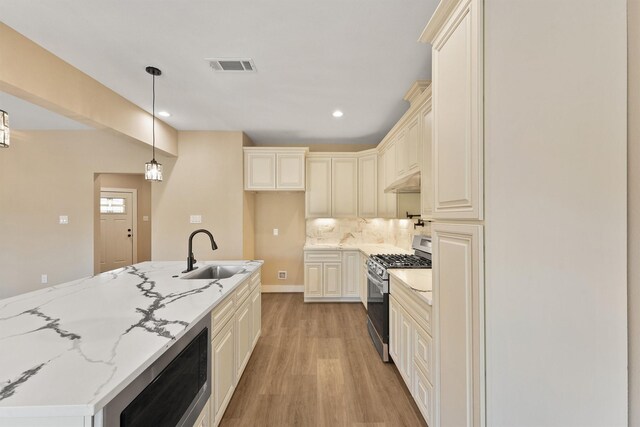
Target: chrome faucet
x,y
190,258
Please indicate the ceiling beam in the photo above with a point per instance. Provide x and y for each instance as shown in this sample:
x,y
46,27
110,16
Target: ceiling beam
x,y
36,75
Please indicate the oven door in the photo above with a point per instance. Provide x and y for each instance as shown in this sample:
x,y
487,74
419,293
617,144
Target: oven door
x,y
378,314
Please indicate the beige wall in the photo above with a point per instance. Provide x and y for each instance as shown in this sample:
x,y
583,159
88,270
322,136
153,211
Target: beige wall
x,y
633,215
206,179
72,93
143,228
45,174
284,211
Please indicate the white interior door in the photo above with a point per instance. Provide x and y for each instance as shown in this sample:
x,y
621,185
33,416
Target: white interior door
x,y
116,230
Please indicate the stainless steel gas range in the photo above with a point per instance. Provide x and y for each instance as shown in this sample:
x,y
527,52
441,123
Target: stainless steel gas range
x,y
378,288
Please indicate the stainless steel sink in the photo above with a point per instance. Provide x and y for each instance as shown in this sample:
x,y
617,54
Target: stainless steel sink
x,y
212,272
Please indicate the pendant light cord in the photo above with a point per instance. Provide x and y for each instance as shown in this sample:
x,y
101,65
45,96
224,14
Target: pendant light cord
x,y
153,109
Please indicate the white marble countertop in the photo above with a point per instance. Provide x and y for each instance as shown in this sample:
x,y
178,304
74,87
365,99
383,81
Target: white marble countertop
x,y
366,248
417,280
69,349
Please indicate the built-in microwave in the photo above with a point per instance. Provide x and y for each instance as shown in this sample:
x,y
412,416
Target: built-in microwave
x,y
173,390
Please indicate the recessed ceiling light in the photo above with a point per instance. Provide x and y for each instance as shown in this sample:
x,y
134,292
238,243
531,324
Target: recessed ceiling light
x,y
164,114
338,113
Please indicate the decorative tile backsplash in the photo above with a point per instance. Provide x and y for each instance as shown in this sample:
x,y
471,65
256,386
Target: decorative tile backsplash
x,y
397,232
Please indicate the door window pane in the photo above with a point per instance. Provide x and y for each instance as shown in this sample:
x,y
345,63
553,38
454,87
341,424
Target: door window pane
x,y
112,205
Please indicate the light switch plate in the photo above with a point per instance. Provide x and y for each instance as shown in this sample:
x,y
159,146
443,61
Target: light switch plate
x,y
44,279
64,219
195,219
275,231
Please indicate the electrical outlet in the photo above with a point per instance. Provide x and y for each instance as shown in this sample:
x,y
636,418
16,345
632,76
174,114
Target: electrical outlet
x,y
195,219
44,279
282,275
275,231
64,219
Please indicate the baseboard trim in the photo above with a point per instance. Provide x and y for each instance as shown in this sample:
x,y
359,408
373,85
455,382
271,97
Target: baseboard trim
x,y
275,289
332,299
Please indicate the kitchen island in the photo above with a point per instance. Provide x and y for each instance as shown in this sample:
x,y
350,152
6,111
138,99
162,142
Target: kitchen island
x,y
69,349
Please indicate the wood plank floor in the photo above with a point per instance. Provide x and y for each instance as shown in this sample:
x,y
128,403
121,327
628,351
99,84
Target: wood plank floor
x,y
314,365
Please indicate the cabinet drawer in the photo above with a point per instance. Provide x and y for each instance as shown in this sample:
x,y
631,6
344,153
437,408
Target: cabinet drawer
x,y
423,394
221,315
242,292
417,308
255,280
322,256
423,351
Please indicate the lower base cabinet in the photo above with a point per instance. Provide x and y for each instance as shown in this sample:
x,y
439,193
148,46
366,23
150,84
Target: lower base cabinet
x,y
233,343
411,346
331,276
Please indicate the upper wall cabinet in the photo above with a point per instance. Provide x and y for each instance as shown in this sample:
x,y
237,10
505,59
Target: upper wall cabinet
x,y
332,185
368,184
274,169
457,111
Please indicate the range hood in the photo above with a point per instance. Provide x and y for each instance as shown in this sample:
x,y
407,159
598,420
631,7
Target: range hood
x,y
405,184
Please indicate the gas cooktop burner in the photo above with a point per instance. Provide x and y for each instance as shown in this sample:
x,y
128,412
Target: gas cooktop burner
x,y
402,261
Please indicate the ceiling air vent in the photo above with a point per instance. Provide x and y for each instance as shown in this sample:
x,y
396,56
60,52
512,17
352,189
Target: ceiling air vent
x,y
241,65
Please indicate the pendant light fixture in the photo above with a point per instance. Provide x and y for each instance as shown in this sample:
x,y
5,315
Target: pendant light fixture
x,y
153,169
4,129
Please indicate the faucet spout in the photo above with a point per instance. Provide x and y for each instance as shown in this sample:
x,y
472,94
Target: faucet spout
x,y
191,260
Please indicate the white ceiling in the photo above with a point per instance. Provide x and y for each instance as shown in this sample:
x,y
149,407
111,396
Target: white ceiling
x,y
312,57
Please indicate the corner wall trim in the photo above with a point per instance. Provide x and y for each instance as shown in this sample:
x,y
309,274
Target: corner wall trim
x,y
271,289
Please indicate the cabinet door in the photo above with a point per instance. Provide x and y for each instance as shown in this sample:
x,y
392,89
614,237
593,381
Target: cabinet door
x,y
318,194
368,186
363,279
290,171
458,117
423,394
313,279
382,182
244,338
222,370
412,146
458,297
394,330
426,173
405,350
256,315
259,171
332,279
350,273
401,153
344,187
391,199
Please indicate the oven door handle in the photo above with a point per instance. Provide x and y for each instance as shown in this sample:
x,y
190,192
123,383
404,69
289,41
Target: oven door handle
x,y
379,283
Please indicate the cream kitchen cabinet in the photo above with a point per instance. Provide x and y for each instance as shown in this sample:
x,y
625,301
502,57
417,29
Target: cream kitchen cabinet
x,y
458,113
332,186
426,179
235,329
318,194
274,169
351,274
387,202
331,275
407,148
458,293
363,279
344,187
410,344
368,184
223,374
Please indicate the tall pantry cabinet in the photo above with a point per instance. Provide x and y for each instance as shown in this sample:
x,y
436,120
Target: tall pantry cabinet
x,y
520,317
